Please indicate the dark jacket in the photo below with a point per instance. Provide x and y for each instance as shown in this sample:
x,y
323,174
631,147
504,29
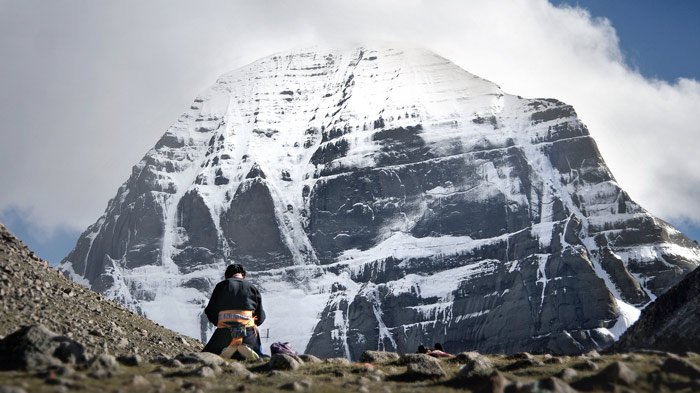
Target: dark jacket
x,y
235,294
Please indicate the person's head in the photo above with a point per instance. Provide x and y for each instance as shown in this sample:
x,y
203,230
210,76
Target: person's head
x,y
236,270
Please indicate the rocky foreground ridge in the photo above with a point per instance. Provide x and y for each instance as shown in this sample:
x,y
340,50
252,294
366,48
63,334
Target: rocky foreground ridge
x,y
33,293
671,323
56,336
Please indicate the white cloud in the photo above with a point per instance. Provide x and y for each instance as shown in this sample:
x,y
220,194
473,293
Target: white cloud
x,y
86,88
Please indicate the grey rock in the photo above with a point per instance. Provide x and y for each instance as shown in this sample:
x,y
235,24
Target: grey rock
x,y
130,360
585,365
311,359
616,373
465,357
139,381
681,366
283,362
409,358
670,323
237,369
523,363
173,363
474,366
205,372
378,356
297,386
205,358
553,385
423,368
104,362
495,382
35,348
520,356
567,374
337,361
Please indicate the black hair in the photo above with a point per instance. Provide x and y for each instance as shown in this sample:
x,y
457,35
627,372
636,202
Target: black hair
x,y
234,269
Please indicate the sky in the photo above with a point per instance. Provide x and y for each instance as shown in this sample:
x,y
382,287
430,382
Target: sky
x,y
86,88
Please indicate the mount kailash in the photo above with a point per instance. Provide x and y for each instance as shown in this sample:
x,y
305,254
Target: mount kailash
x,y
382,198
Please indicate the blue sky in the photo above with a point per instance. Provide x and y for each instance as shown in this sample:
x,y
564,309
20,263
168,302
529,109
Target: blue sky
x,y
73,72
660,38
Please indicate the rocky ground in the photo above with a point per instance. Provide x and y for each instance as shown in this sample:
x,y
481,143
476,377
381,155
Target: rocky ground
x,y
33,293
76,340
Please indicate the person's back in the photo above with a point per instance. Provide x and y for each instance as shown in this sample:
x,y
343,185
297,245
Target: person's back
x,y
235,307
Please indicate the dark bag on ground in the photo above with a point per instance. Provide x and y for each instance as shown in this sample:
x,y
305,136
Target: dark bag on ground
x,y
282,348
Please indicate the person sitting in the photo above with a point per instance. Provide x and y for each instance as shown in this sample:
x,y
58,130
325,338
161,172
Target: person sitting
x,y
437,351
235,307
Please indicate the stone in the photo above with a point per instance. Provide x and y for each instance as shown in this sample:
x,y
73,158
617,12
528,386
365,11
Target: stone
x,y
173,363
467,357
616,373
130,360
104,362
205,372
477,365
520,356
36,348
409,358
139,381
567,374
494,382
424,368
378,356
283,362
205,358
553,385
311,359
680,366
237,369
586,365
338,361
523,363
297,386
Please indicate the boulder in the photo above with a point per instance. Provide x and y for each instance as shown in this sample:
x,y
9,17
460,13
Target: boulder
x,y
680,366
617,373
310,359
36,348
130,360
493,382
338,361
424,368
523,363
475,366
567,374
205,358
553,385
283,362
378,356
237,369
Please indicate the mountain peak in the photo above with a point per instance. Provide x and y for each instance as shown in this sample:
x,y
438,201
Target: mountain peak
x,y
404,200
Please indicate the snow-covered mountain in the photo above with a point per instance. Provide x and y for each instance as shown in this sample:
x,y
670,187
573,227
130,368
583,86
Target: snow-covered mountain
x,y
383,198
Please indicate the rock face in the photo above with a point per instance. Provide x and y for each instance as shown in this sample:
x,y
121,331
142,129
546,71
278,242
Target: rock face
x,y
383,198
671,322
